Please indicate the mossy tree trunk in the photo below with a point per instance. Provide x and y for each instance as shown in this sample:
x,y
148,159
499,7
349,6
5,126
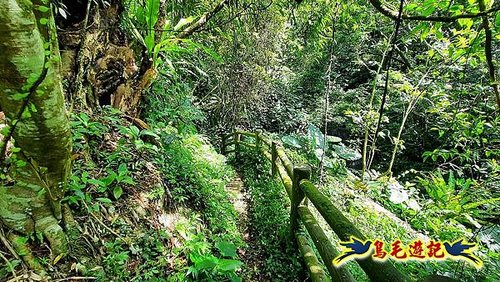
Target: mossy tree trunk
x,y
31,96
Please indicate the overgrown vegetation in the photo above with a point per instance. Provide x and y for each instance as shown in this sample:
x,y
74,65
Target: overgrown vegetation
x,y
396,110
273,247
149,203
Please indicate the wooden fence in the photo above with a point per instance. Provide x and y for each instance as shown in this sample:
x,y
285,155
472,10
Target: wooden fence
x,y
301,191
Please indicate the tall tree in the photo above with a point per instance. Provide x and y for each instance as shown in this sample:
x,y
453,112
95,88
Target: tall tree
x,y
32,99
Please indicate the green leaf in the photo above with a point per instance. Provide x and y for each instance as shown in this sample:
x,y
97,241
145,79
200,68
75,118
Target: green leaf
x,y
149,40
44,21
122,169
203,262
333,139
149,133
117,192
291,141
128,180
5,131
316,138
346,153
213,54
26,114
428,10
229,265
109,179
104,200
467,23
96,182
227,249
43,9
135,131
32,107
152,12
183,22
20,96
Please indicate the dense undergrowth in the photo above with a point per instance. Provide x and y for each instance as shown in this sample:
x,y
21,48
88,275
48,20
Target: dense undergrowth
x,y
279,259
150,201
150,204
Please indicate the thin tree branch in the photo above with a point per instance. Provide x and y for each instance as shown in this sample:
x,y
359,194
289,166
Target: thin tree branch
x,y
377,4
328,91
203,20
488,54
386,86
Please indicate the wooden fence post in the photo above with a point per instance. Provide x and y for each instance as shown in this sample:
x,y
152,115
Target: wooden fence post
x,y
274,157
299,173
223,144
257,139
236,138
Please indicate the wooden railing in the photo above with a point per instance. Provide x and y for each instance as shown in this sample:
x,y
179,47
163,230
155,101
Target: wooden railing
x,y
300,190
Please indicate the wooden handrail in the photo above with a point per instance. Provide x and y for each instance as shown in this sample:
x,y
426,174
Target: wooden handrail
x,y
299,188
230,143
246,144
377,271
285,179
312,262
299,173
286,161
265,140
274,158
324,246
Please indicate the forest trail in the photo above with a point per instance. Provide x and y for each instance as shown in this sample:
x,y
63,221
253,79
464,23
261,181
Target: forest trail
x,y
236,188
248,255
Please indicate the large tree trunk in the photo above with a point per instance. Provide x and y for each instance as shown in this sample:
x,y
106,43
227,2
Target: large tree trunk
x,y
32,99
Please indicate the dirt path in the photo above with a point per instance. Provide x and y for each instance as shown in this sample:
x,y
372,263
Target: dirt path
x,y
237,189
248,255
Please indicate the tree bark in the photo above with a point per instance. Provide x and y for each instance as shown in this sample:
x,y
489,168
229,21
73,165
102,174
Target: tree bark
x,y
33,103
